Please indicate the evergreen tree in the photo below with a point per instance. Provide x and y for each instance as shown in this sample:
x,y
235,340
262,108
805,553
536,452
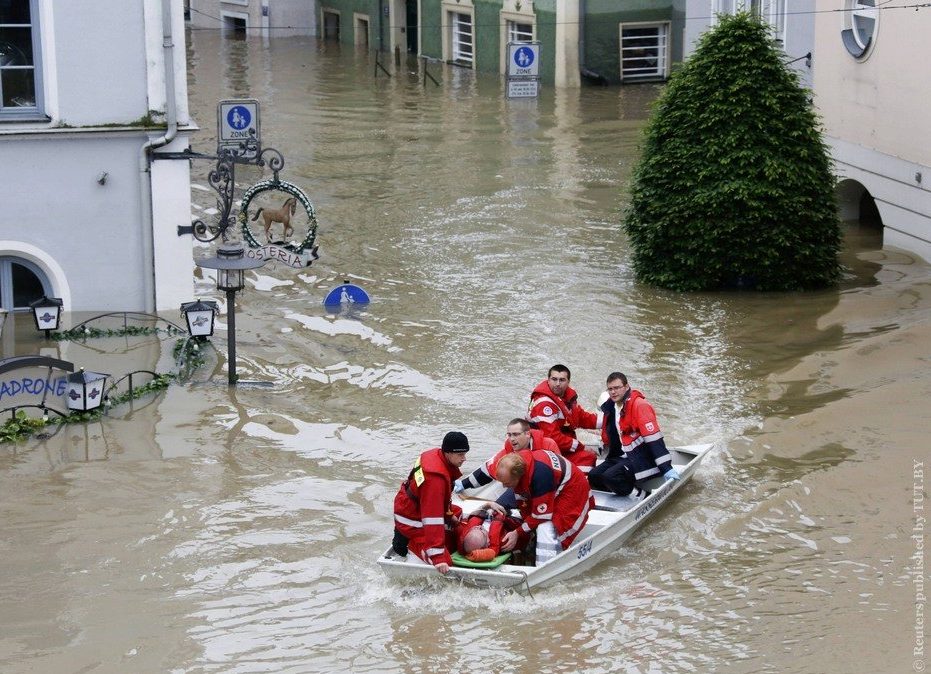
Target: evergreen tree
x,y
734,187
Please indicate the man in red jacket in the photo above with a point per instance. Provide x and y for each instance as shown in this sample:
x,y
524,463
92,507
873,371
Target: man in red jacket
x,y
424,518
518,436
555,410
636,446
553,496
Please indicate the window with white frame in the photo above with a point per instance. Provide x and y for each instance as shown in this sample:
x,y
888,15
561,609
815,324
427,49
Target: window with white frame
x,y
462,38
19,75
722,7
776,16
519,32
772,12
644,51
860,23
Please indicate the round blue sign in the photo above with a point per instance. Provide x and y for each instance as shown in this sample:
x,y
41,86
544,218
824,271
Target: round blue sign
x,y
348,293
239,117
523,57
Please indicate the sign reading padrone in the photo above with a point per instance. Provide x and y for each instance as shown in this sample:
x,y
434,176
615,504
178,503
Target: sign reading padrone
x,y
523,59
237,121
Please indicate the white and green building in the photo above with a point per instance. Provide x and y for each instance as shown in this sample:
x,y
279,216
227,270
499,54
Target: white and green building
x,y
602,40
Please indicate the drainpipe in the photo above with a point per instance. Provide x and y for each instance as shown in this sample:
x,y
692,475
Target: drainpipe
x,y
145,177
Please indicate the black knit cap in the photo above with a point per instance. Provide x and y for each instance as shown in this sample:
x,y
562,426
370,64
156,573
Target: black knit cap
x,y
454,441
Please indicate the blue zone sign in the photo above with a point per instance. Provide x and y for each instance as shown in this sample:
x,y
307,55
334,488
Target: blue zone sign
x,y
237,121
524,59
346,294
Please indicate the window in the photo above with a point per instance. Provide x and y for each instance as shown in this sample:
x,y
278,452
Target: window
x,y
519,32
19,81
722,7
461,26
776,16
772,12
644,51
860,23
21,282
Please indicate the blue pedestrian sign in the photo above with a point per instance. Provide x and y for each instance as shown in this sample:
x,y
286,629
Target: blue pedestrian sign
x,y
237,122
523,59
345,295
239,117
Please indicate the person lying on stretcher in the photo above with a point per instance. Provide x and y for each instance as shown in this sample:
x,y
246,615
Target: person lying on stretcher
x,y
479,536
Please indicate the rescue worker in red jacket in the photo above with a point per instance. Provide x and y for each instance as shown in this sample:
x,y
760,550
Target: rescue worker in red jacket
x,y
635,444
424,518
553,496
555,410
518,436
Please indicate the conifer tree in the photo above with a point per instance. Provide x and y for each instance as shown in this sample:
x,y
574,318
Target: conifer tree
x,y
734,186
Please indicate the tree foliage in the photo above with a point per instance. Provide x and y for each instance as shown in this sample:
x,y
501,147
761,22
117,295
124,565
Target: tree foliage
x,y
734,187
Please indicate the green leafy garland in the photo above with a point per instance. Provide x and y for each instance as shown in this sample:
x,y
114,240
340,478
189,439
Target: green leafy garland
x,y
75,334
21,426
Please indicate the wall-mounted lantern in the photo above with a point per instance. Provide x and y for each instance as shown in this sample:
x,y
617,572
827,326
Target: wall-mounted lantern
x,y
47,312
200,316
85,390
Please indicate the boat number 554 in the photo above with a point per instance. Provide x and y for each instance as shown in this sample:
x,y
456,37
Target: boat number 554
x,y
585,549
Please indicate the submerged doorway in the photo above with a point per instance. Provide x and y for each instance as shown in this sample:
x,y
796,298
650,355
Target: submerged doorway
x,y
412,23
330,25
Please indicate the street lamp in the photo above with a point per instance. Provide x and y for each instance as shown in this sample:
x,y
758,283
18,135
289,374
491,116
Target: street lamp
x,y
47,312
230,263
85,390
200,317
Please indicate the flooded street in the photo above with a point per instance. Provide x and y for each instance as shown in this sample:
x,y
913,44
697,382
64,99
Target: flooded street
x,y
217,530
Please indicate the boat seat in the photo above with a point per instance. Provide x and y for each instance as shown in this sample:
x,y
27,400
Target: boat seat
x,y
600,518
606,500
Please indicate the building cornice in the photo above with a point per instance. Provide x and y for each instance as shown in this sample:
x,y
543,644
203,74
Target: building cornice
x,y
30,133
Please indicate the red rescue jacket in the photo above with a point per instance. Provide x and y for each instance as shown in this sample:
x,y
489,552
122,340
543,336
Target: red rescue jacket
x,y
559,417
487,471
423,509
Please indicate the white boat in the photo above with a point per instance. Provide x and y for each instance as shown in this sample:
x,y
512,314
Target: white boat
x,y
612,521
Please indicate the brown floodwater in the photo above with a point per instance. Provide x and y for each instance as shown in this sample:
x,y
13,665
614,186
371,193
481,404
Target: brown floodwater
x,y
218,530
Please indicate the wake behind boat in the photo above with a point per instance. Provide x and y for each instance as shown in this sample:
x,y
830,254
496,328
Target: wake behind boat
x,y
610,523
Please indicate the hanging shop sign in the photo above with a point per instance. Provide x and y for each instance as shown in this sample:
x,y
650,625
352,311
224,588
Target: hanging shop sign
x,y
279,223
33,381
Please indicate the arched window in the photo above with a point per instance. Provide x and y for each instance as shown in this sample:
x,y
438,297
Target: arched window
x,y
21,282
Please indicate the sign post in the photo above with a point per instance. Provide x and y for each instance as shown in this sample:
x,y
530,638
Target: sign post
x,y
523,73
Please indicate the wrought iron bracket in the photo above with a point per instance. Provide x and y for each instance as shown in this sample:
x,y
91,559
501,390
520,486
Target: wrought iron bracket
x,y
223,180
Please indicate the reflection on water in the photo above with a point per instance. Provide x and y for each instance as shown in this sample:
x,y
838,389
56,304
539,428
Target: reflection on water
x,y
236,530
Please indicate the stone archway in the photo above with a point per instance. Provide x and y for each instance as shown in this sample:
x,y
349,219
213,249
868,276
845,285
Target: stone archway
x,y
27,270
856,205
859,213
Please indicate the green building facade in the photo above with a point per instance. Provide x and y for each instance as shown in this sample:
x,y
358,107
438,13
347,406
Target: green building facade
x,y
600,40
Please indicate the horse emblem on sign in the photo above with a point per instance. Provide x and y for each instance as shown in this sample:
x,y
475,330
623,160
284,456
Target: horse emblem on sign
x,y
285,224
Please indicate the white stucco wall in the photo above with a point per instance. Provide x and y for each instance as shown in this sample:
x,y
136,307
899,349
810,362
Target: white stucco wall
x,y
101,72
91,231
102,63
875,118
